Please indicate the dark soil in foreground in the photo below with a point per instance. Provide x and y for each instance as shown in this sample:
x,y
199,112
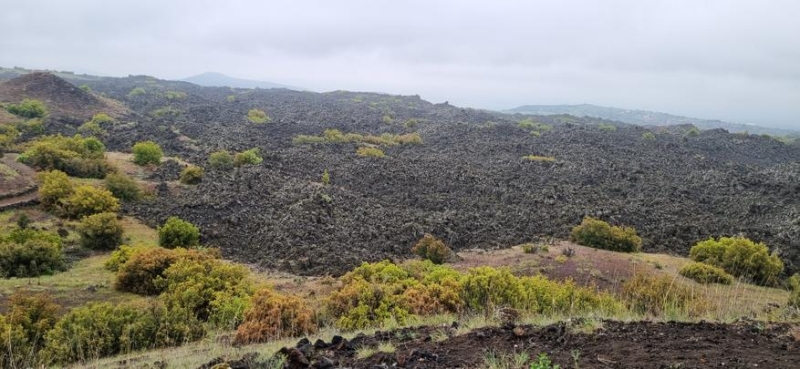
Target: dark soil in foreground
x,y
615,345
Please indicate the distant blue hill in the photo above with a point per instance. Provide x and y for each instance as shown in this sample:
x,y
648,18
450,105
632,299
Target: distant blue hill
x,y
643,118
211,79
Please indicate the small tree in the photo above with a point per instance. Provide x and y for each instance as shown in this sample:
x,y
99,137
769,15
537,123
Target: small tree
x,y
178,233
147,152
101,231
221,160
432,248
192,175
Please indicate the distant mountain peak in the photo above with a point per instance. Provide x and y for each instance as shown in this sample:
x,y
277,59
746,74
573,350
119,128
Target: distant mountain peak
x,y
216,79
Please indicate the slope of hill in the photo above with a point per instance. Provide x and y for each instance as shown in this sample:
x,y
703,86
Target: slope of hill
x,y
643,117
211,79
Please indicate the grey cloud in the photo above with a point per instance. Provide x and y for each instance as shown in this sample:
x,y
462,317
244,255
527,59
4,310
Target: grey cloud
x,y
733,60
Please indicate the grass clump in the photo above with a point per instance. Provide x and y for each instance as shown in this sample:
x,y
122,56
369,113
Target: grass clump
x,y
740,257
593,232
704,273
660,295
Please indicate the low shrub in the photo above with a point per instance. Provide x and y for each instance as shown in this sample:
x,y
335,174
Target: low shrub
x,y
272,315
119,257
740,257
88,200
142,270
657,296
175,95
28,108
102,231
692,132
91,129
123,187
607,127
30,253
704,273
307,139
648,136
258,116
136,91
221,160
192,175
15,349
374,152
22,331
597,233
432,248
177,232
147,152
247,157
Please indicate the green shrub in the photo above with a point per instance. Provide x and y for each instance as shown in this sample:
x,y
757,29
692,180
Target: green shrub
x,y
123,187
175,95
692,132
272,316
411,123
740,257
136,91
704,273
143,268
374,152
793,282
102,118
119,257
247,157
644,294
104,329
91,129
258,116
326,178
54,188
648,136
211,290
221,160
76,156
85,88
607,127
432,248
88,200
28,108
597,233
192,175
147,152
30,253
102,231
307,139
34,315
178,233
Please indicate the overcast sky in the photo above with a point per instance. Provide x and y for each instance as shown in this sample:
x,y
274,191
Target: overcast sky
x,y
731,60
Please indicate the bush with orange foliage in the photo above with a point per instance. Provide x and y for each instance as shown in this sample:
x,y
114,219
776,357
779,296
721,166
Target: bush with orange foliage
x,y
143,269
432,248
272,315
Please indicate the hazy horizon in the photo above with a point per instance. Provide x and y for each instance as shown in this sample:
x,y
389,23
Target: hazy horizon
x,y
735,61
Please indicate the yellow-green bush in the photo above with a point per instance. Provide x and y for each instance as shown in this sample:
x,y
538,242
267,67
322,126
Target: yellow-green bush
x,y
119,257
88,200
374,152
210,289
30,253
740,257
597,233
272,315
15,347
141,270
258,116
123,187
221,160
247,157
177,232
147,152
54,187
192,175
22,331
76,156
659,295
103,329
102,231
432,248
704,273
28,108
